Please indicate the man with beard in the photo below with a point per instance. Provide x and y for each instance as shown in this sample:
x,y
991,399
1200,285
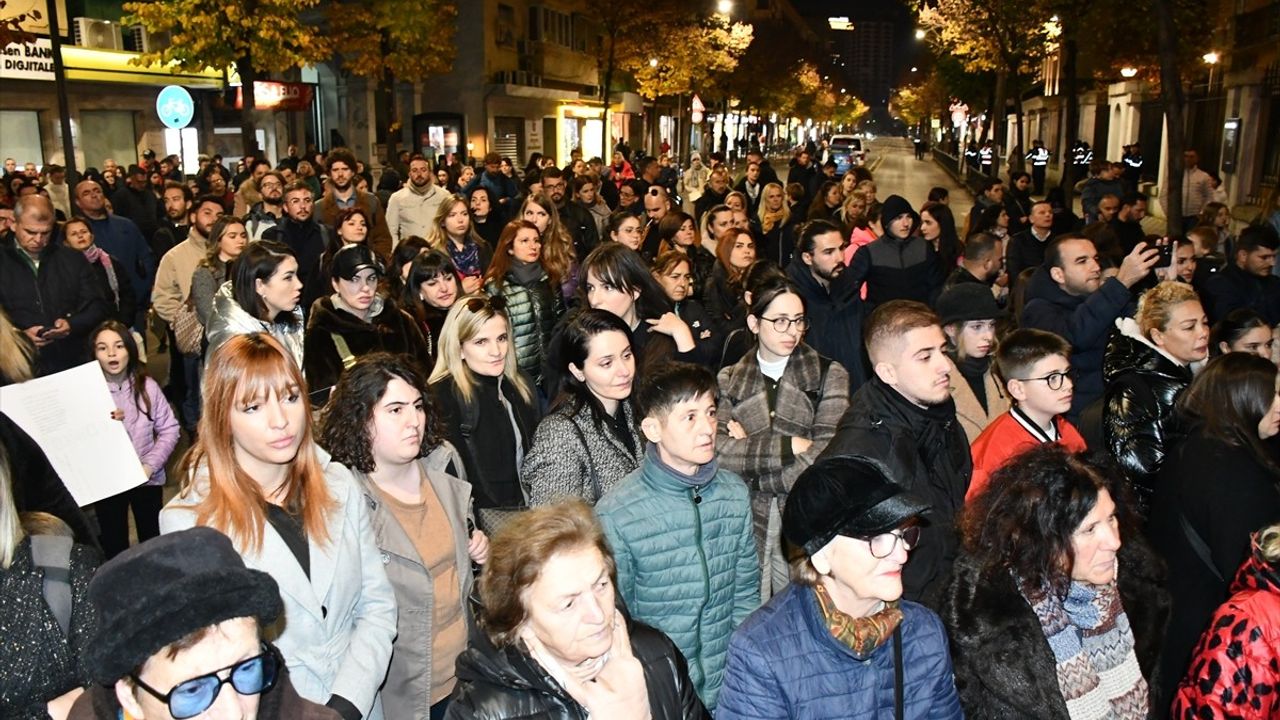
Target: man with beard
x,y
979,264
136,201
905,418
657,203
176,202
1069,297
173,287
266,213
343,194
306,237
504,189
412,209
831,304
575,218
120,238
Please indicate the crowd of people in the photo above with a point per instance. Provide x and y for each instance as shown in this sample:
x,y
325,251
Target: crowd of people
x,y
618,440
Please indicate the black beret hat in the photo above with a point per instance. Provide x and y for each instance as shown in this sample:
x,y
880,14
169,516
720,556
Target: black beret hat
x,y
968,301
166,588
849,495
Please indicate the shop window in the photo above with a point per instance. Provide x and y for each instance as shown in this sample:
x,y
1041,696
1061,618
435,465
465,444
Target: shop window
x,y
20,136
108,134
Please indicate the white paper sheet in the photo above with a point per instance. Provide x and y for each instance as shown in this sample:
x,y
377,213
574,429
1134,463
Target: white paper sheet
x,y
69,415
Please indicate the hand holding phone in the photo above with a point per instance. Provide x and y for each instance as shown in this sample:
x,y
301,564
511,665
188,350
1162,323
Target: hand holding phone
x,y
1165,247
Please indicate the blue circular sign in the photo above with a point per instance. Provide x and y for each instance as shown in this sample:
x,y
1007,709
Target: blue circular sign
x,y
175,106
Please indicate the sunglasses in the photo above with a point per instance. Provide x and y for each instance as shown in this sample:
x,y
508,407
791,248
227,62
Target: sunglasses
x,y
496,303
189,698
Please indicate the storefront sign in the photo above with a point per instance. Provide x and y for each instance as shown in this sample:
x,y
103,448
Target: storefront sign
x,y
271,95
33,61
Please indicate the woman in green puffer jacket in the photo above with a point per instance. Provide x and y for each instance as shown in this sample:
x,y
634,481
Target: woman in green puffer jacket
x,y
534,307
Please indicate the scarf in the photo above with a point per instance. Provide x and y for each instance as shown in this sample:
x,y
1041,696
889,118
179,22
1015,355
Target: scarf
x,y
862,635
95,254
704,475
525,273
1092,646
771,218
467,258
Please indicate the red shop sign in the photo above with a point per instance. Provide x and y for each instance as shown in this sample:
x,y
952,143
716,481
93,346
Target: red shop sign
x,y
272,95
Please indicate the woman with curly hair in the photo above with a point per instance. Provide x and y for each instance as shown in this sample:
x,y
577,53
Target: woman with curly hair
x,y
1054,608
381,426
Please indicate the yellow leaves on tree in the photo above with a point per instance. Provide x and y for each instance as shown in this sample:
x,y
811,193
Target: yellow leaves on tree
x,y
689,51
411,39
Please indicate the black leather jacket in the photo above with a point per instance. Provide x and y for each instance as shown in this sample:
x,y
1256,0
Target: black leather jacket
x,y
1137,418
506,682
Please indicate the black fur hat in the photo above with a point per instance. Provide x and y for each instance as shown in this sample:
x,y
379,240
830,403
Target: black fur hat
x,y
166,588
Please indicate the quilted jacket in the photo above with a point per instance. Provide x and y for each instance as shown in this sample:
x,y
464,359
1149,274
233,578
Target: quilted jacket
x,y
686,562
534,310
784,663
574,456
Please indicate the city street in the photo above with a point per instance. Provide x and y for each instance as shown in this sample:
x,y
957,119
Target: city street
x,y
897,172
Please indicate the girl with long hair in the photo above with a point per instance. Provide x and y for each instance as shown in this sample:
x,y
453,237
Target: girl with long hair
x,y
487,217
678,231
1242,330
262,296
777,225
454,233
152,428
430,289
17,353
590,440
488,406
256,474
735,252
558,257
938,226
534,306
227,239
1217,485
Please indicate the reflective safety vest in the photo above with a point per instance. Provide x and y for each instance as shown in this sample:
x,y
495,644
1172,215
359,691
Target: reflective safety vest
x,y
1133,161
986,154
1039,157
1082,155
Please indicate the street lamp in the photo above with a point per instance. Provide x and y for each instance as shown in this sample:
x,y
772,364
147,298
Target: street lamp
x,y
724,7
1128,72
915,69
1210,57
920,33
653,62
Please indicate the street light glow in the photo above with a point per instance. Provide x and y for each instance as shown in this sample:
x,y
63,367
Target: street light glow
x,y
1128,72
914,69
724,7
920,33
840,23
1211,57
653,62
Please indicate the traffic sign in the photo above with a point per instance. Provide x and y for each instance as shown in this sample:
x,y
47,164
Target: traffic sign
x,y
175,107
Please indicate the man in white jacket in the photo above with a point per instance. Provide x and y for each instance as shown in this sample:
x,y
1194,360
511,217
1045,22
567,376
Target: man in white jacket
x,y
412,209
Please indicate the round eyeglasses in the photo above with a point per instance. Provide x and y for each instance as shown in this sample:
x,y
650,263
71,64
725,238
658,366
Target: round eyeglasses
x,y
1054,379
883,545
783,324
189,698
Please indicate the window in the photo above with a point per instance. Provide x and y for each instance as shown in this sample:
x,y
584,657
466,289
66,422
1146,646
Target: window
x,y
550,26
20,136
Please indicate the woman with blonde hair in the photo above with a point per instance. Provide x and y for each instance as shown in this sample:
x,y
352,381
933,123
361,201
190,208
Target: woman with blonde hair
x,y
558,256
17,353
1146,367
454,232
777,225
257,475
487,405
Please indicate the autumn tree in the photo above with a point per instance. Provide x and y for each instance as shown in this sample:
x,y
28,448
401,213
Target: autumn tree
x,y
394,40
253,36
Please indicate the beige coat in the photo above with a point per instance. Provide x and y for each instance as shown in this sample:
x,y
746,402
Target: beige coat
x,y
173,278
969,411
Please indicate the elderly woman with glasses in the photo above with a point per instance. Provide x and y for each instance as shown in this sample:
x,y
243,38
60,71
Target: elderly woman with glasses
x,y
488,406
778,408
839,641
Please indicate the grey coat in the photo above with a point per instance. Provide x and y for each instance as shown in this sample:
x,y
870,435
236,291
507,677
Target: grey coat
x,y
573,457
807,406
407,691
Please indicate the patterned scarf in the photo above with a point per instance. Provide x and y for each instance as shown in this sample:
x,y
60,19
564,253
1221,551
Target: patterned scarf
x,y
466,258
95,254
862,635
1092,644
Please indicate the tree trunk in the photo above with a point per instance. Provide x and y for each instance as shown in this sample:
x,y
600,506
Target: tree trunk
x,y
999,116
248,109
1071,113
1172,96
387,86
1019,158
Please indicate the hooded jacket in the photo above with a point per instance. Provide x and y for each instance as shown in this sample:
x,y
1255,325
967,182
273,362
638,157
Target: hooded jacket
x,y
502,683
1085,321
388,329
896,268
1239,655
928,455
1142,386
229,319
835,319
1004,667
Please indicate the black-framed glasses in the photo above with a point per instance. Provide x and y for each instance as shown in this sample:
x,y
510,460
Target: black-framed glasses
x,y
783,324
496,303
883,545
1054,379
189,698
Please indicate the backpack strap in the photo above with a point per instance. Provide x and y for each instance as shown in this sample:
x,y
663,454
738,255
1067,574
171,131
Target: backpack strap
x,y
52,554
824,364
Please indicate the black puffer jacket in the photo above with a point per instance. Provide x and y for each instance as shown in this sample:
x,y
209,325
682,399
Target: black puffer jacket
x,y
1142,385
387,330
507,683
1003,664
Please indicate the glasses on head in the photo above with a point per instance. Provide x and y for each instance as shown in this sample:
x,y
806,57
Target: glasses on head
x,y
1054,379
191,697
496,303
883,545
783,324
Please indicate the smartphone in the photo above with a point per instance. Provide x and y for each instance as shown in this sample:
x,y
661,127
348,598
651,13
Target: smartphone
x,y
1165,259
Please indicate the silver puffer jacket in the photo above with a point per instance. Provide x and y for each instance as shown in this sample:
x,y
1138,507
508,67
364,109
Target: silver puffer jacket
x,y
229,319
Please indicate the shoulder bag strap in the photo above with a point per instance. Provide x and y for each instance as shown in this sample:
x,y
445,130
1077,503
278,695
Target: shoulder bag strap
x,y
1198,546
344,351
897,672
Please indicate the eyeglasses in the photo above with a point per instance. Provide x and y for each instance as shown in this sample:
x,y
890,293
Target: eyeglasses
x,y
495,303
191,697
1054,379
783,324
883,545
